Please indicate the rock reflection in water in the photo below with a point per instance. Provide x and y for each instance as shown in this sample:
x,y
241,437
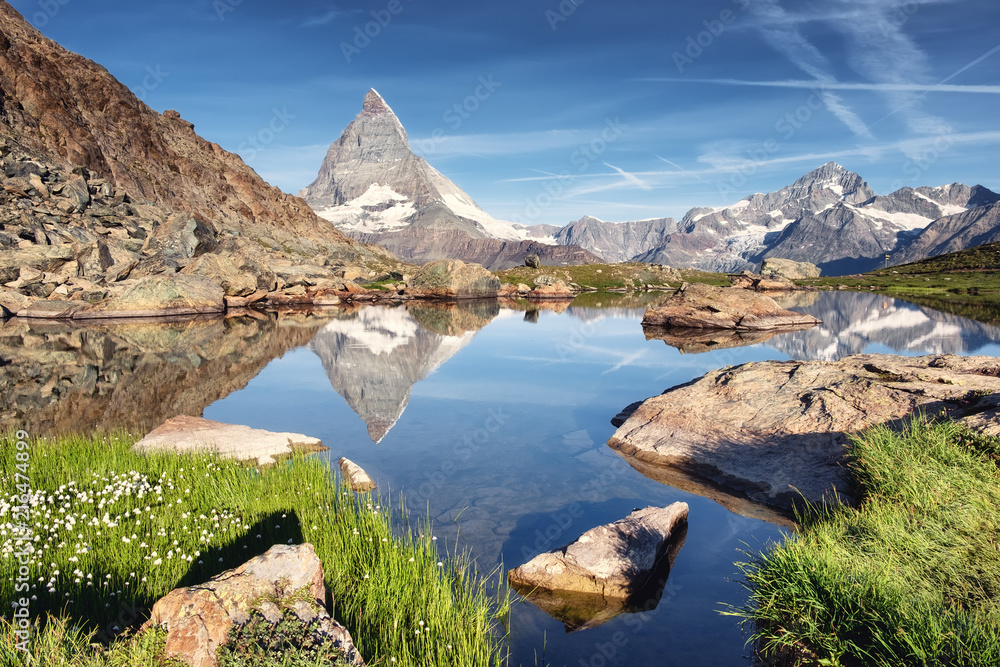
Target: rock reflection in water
x,y
581,611
63,377
374,356
696,341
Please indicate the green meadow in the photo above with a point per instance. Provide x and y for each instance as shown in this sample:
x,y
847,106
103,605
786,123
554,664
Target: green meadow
x,y
112,531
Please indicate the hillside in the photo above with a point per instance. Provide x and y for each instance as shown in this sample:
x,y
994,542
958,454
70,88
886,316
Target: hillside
x,y
99,186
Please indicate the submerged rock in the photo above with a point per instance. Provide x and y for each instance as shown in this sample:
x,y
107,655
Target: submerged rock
x,y
355,475
701,306
198,619
613,561
186,434
775,433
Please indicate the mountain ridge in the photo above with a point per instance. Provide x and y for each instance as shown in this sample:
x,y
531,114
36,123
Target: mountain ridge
x,y
829,217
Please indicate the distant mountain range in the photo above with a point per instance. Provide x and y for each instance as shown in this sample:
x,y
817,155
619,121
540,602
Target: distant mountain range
x,y
374,189
829,217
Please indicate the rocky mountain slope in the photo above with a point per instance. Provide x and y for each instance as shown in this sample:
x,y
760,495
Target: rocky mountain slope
x,y
615,242
99,186
956,232
375,189
829,217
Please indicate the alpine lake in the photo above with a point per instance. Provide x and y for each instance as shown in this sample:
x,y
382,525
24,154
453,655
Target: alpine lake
x,y
488,420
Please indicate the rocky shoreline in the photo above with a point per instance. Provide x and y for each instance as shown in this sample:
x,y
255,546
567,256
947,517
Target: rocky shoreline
x,y
763,438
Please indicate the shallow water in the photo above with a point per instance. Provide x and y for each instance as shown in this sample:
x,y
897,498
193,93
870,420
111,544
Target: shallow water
x,y
490,421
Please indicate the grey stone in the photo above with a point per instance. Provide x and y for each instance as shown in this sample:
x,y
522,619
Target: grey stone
x,y
789,269
198,619
159,296
613,561
76,191
453,279
223,272
355,476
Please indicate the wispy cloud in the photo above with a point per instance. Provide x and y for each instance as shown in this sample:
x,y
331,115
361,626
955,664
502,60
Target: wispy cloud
x,y
781,31
604,181
630,177
322,19
880,50
840,85
507,143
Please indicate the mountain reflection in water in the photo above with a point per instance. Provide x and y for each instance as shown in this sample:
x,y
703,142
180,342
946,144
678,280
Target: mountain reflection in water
x,y
375,356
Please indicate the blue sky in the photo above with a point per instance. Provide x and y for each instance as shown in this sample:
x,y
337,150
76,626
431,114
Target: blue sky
x,y
550,110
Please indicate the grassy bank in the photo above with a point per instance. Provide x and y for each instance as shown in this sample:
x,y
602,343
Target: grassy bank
x,y
966,282
910,577
116,531
626,275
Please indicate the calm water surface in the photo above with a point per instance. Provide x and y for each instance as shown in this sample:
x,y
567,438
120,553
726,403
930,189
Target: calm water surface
x,y
499,433
490,421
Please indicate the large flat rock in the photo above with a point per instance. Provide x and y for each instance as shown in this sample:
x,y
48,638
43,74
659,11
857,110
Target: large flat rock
x,y
194,434
765,432
699,306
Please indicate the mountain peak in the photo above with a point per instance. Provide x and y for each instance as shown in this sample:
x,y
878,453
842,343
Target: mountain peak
x,y
374,104
829,171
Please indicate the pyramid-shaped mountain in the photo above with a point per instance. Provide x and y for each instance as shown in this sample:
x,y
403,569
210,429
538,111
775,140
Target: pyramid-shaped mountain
x,y
375,189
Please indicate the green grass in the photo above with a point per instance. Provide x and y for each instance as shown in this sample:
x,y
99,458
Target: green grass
x,y
984,257
627,275
965,283
117,531
910,577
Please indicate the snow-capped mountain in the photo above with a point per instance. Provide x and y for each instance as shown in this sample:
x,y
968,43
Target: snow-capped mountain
x,y
829,217
372,187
